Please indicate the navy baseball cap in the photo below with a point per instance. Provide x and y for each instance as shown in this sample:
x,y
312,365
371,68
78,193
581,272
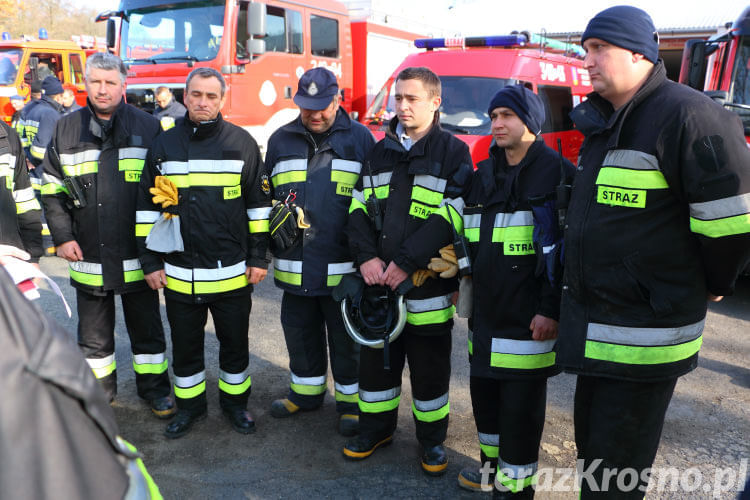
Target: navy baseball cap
x,y
316,89
52,86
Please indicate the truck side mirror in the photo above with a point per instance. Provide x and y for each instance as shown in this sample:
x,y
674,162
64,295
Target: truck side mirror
x,y
255,47
256,19
693,67
111,33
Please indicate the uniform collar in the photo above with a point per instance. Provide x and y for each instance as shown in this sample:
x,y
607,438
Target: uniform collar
x,y
204,129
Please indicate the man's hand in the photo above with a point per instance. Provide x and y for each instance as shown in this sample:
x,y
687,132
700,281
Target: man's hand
x,y
157,279
70,251
543,328
372,271
255,275
715,298
394,276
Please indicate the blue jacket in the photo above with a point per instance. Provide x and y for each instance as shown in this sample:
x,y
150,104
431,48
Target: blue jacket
x,y
322,178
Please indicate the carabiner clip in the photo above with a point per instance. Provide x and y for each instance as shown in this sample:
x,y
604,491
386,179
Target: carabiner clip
x,y
290,197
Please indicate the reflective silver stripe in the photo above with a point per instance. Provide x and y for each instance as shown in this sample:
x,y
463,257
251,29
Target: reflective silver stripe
x,y
26,194
378,396
354,167
98,363
359,196
489,439
146,216
718,209
523,347
517,471
431,405
134,153
234,378
430,182
32,123
216,166
457,203
380,179
308,380
192,380
180,273
472,221
9,160
39,150
6,171
289,266
431,304
341,268
628,158
50,179
219,273
347,389
174,168
296,164
82,157
520,218
639,336
131,265
149,359
258,213
86,267
546,250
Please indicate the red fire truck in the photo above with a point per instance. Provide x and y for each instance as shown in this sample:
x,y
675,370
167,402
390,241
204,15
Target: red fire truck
x,y
720,66
472,69
261,47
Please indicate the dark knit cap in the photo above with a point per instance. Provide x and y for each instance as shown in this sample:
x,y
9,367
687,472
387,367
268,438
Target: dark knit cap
x,y
627,27
52,86
526,104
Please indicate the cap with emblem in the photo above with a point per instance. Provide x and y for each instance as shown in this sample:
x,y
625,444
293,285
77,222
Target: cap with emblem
x,y
316,89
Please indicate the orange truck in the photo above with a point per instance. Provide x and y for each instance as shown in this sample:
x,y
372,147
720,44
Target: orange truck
x,y
22,62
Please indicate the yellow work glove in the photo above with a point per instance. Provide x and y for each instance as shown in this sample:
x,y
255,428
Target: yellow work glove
x,y
301,222
446,265
165,193
419,276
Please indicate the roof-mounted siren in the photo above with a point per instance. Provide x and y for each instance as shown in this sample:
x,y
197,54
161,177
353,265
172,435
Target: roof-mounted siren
x,y
472,41
6,36
43,34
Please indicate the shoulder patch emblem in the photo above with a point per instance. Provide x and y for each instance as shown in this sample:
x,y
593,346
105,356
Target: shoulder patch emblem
x,y
265,186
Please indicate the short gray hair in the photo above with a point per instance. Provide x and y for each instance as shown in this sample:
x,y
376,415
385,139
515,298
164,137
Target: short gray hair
x,y
106,61
206,72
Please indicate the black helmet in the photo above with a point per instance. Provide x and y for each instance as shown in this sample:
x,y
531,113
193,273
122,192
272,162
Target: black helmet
x,y
371,313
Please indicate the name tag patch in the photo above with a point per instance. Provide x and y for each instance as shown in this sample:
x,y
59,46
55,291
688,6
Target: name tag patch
x,y
518,248
421,211
344,189
232,192
633,198
132,176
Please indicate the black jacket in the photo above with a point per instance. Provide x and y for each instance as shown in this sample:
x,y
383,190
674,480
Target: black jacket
x,y
217,169
106,160
20,222
415,189
509,290
657,220
322,177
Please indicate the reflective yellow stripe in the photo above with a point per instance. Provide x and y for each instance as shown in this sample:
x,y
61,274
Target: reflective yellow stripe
x,y
105,371
179,286
627,178
287,277
191,392
25,206
288,177
512,233
432,415
153,489
472,234
205,179
142,230
380,406
227,285
308,390
514,485
150,368
131,164
87,279
430,317
642,355
381,192
334,280
418,193
89,167
522,362
131,276
344,177
235,389
347,398
717,228
454,219
258,226
357,205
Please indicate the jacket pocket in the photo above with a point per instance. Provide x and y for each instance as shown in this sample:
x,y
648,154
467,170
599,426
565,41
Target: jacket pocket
x,y
660,304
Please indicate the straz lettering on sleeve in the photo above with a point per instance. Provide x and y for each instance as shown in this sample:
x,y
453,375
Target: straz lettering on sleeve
x,y
421,211
632,198
232,192
344,189
518,248
132,176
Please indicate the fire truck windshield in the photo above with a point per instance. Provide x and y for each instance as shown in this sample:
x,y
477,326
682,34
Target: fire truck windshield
x,y
464,107
188,31
9,61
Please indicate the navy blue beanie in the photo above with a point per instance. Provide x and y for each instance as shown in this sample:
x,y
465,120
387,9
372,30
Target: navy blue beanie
x,y
627,27
526,104
52,86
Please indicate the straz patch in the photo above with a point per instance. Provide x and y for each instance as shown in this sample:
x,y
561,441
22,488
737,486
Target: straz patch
x,y
344,189
518,247
232,192
632,198
132,176
265,186
421,211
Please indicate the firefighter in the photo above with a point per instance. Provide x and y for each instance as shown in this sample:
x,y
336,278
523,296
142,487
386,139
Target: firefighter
x,y
412,186
27,134
20,223
69,101
316,159
512,327
15,121
658,224
92,169
40,121
216,168
167,108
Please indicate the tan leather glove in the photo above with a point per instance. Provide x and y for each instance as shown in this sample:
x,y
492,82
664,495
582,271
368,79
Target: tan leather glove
x,y
447,264
165,194
419,276
301,222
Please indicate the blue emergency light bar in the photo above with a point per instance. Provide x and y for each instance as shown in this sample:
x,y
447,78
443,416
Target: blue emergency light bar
x,y
473,41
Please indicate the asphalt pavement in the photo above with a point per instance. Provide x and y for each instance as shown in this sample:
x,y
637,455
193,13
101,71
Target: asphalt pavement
x,y
706,437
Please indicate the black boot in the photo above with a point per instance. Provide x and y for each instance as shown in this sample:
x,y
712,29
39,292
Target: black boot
x,y
362,447
182,423
434,460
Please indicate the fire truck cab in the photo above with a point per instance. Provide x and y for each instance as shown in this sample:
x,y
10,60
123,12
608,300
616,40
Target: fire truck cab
x,y
720,66
472,70
22,62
